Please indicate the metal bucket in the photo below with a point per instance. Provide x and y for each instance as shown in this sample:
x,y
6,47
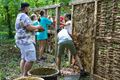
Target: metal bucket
x,y
29,78
45,73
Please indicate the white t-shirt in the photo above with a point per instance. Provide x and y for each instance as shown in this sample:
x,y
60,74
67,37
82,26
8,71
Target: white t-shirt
x,y
63,36
68,27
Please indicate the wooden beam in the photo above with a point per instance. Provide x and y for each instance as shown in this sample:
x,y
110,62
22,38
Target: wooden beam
x,y
57,25
48,7
46,12
72,14
72,17
94,35
51,6
81,2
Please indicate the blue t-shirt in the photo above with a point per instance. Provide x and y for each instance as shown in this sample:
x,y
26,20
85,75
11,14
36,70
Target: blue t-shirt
x,y
35,23
44,22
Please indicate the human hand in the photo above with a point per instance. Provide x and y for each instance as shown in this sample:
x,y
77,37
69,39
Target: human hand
x,y
40,29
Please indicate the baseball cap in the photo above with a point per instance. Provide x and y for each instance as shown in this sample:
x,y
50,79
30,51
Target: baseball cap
x,y
23,5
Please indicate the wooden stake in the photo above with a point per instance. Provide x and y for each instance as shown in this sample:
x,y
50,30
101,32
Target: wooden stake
x,y
57,26
72,14
46,12
94,36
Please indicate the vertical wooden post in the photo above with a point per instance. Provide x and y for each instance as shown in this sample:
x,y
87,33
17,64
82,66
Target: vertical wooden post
x,y
57,26
94,35
72,13
72,18
46,12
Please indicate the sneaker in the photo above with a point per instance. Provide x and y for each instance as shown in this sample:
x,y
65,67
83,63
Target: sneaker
x,y
82,73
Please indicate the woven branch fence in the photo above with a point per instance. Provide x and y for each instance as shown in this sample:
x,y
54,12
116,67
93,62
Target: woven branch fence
x,y
96,32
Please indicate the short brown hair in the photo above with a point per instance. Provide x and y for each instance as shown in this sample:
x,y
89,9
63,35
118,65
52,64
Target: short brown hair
x,y
42,13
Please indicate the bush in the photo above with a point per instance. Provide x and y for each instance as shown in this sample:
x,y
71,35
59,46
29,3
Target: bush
x,y
5,40
2,75
3,35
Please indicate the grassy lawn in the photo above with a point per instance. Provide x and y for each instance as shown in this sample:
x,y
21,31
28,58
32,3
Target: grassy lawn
x,y
9,57
9,60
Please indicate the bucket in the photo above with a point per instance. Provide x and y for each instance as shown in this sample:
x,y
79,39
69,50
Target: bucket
x,y
45,73
29,78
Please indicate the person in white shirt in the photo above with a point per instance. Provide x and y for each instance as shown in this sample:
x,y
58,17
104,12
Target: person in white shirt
x,y
65,41
68,23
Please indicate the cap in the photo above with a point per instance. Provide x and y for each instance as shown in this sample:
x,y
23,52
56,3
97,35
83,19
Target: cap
x,y
23,5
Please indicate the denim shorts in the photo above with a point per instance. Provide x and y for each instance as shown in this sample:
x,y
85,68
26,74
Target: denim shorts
x,y
28,52
66,44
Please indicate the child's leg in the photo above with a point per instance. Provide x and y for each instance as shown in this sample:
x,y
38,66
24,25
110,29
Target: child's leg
x,y
60,52
74,54
69,56
42,44
82,71
79,61
58,62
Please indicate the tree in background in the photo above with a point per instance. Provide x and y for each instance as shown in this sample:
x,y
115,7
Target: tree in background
x,y
9,11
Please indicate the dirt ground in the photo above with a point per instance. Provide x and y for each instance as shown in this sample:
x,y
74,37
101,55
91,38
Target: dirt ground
x,y
9,64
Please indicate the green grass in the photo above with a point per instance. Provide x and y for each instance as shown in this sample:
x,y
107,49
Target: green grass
x,y
10,58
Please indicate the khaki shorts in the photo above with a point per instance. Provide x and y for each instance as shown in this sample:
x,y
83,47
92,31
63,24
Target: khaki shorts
x,y
28,52
66,44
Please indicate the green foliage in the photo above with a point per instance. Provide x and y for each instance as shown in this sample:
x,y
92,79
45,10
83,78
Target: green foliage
x,y
2,75
4,38
10,8
3,35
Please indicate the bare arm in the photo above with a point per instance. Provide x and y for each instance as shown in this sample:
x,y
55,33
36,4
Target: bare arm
x,y
62,23
33,28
